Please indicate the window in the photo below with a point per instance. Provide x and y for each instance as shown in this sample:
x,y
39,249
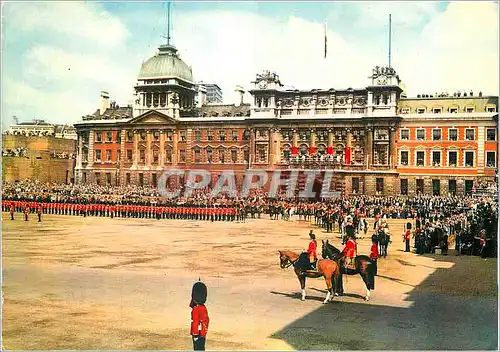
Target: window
x,y
405,110
170,135
286,135
210,135
108,178
84,177
469,109
453,110
452,187
380,185
452,158
222,135
405,134
119,136
404,186
143,135
118,156
197,155
182,135
420,134
246,155
491,160
420,158
436,134
156,156
469,134
355,185
127,178
420,186
420,111
141,179
404,157
436,158
469,159
234,135
246,135
469,185
436,187
491,109
153,180
168,155
436,110
182,156
108,155
156,135
209,155
221,155
491,134
197,135
98,137
98,178
109,136
452,134
261,153
129,155
130,136
234,156
142,155
98,155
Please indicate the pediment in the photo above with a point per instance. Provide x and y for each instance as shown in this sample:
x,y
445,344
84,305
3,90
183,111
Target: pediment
x,y
153,118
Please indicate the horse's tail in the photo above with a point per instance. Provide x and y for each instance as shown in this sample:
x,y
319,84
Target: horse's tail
x,y
371,275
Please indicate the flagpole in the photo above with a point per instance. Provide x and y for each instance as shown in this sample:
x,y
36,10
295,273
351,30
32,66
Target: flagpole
x,y
326,40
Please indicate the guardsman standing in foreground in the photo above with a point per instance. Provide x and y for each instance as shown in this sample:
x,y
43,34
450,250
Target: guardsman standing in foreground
x,y
199,316
11,211
26,212
39,211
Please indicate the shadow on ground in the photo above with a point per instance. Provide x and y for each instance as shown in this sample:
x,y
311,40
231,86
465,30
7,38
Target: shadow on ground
x,y
436,319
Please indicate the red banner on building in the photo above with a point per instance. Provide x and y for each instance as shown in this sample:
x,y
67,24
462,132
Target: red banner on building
x,y
347,155
312,150
329,150
295,150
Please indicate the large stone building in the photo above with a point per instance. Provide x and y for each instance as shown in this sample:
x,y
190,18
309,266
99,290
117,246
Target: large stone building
x,y
47,159
371,137
43,129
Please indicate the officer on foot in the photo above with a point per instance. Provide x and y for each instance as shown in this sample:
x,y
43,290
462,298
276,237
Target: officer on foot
x,y
40,212
199,316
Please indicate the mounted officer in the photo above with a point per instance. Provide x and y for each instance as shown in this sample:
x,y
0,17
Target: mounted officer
x,y
311,250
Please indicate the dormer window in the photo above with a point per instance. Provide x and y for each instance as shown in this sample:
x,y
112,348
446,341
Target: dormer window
x,y
420,110
453,110
491,109
405,110
469,109
436,110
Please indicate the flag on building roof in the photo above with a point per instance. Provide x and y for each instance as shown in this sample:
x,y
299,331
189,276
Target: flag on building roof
x,y
326,41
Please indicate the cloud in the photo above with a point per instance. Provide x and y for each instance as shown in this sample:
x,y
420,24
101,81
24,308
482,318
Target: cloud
x,y
70,51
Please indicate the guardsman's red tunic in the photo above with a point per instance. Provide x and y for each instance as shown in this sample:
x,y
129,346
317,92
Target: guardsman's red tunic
x,y
312,249
199,320
374,251
349,249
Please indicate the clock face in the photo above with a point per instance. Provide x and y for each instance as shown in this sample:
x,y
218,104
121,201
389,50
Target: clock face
x,y
263,85
382,80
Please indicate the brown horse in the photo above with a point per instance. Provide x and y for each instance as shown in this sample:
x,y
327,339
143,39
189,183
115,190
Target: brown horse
x,y
326,268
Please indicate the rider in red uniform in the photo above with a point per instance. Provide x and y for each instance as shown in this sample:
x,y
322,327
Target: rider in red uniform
x,y
349,251
374,253
311,250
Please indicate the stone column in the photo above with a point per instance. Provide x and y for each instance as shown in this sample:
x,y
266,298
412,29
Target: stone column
x,y
162,148
277,144
90,163
175,148
369,146
348,138
272,151
330,137
392,147
313,138
149,155
295,138
79,156
123,152
136,149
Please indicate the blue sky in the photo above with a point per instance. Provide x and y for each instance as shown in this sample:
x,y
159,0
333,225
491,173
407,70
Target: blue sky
x,y
56,60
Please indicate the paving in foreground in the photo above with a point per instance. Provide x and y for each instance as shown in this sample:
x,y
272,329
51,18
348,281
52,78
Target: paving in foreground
x,y
92,283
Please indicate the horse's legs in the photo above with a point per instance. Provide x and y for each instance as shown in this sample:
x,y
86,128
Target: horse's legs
x,y
366,280
302,280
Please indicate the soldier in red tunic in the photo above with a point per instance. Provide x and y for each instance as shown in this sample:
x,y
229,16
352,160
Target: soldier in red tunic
x,y
26,212
311,250
349,251
199,316
11,210
374,253
39,211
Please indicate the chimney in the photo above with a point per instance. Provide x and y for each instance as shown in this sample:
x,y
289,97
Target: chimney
x,y
240,93
104,101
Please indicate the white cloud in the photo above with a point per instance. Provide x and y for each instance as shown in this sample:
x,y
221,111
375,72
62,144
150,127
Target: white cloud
x,y
455,49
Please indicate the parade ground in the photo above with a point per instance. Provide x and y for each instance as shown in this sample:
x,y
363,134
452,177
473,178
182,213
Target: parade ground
x,y
98,283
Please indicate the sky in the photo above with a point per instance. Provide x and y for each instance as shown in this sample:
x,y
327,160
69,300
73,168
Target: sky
x,y
57,59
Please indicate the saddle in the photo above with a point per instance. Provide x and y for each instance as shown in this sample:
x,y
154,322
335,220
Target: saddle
x,y
349,265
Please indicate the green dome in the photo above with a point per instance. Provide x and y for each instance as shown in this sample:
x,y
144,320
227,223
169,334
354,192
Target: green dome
x,y
166,64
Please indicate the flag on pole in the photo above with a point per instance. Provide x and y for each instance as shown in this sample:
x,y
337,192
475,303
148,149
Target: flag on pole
x,y
325,41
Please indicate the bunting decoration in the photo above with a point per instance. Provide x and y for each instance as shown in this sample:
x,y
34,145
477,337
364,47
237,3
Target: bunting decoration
x,y
295,150
347,155
312,150
329,150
